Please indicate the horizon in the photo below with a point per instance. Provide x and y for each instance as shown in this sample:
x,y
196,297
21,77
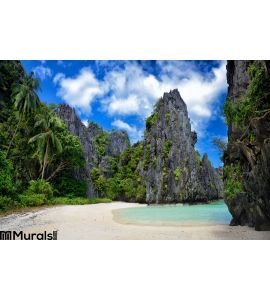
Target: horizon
x,y
120,95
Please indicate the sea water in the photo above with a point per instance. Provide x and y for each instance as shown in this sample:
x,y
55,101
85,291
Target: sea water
x,y
179,214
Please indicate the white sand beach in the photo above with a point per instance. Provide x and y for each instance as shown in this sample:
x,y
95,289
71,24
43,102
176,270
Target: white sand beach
x,y
97,222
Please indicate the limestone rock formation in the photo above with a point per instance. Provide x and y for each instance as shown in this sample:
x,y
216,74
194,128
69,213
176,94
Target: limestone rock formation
x,y
172,170
117,142
98,145
248,155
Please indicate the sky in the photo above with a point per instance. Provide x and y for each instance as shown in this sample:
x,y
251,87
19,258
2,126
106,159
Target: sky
x,y
121,94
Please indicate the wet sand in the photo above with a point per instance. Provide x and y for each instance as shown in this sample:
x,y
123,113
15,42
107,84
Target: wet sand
x,y
98,222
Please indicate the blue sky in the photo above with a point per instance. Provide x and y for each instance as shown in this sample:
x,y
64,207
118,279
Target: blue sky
x,y
121,94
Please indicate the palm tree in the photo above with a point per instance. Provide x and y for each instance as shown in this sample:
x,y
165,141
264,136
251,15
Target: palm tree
x,y
48,143
25,99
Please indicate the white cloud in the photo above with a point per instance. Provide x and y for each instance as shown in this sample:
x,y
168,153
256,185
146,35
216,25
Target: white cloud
x,y
79,91
135,134
85,122
123,106
42,72
134,92
58,77
124,126
130,90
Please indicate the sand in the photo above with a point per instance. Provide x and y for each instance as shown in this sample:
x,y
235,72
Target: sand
x,y
97,222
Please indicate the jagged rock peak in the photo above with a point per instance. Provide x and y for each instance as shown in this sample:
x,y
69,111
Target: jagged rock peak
x,y
174,97
172,172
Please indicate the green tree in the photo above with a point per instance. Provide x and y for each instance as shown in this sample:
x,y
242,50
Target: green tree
x,y
100,185
40,186
99,181
25,99
71,158
48,142
127,182
11,72
221,145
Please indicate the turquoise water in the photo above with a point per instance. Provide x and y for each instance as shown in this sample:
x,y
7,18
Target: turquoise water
x,y
198,214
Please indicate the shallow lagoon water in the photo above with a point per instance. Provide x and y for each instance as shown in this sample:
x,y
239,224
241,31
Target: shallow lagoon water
x,y
197,214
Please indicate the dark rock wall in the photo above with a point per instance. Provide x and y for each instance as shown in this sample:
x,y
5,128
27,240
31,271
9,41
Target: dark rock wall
x,y
252,206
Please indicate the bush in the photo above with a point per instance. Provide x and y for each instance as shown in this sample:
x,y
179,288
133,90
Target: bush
x,y
239,112
101,142
166,149
233,181
5,203
167,117
32,199
152,120
112,188
78,200
6,175
141,193
177,174
98,180
70,186
40,186
232,188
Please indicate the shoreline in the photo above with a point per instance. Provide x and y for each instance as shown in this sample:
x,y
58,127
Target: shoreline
x,y
120,220
96,222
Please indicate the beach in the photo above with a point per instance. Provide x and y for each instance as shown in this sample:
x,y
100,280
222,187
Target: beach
x,y
99,222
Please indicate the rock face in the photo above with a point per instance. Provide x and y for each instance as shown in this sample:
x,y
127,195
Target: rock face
x,y
172,170
210,179
249,149
97,144
117,143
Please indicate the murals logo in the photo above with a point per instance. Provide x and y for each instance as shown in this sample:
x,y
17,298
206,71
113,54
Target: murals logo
x,y
20,235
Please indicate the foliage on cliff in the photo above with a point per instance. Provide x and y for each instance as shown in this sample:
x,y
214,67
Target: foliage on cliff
x,y
246,159
254,103
232,181
124,183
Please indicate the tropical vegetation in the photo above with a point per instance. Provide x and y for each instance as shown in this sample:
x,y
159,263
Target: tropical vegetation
x,y
38,156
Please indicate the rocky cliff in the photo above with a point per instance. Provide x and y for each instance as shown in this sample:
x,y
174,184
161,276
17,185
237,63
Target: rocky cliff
x,y
163,168
247,159
98,145
172,169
